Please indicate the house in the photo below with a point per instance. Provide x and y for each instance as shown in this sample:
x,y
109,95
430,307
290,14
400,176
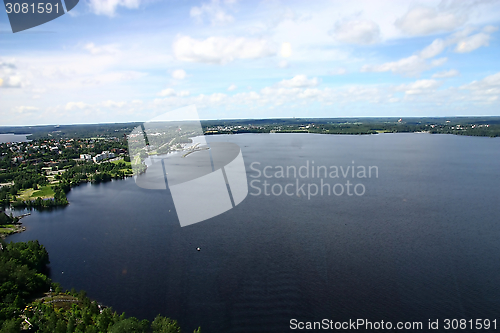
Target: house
x,y
98,158
103,156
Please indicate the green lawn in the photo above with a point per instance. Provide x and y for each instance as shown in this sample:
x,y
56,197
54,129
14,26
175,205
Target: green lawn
x,y
6,231
128,164
44,192
25,194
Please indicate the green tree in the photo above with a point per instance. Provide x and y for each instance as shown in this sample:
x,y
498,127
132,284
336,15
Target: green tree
x,y
11,326
130,325
165,325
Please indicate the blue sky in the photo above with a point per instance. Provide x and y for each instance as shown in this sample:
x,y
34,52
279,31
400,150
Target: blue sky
x,y
131,60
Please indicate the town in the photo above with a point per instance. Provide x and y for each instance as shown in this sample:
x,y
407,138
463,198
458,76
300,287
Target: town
x,y
39,173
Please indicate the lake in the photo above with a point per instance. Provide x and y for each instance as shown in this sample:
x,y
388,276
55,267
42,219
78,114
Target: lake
x,y
13,138
420,243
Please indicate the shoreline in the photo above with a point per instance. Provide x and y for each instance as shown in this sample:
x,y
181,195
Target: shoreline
x,y
16,228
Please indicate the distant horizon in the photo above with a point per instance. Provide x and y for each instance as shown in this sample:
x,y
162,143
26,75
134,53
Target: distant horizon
x,y
253,119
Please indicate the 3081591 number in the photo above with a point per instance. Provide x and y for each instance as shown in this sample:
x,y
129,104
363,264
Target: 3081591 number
x,y
25,8
462,324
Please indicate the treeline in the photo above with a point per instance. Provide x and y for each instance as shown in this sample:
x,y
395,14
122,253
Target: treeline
x,y
23,279
24,176
5,196
32,177
470,126
58,200
237,131
491,131
97,173
118,130
71,131
6,219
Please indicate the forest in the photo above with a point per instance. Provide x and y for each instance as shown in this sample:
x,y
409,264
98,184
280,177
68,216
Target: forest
x,y
31,302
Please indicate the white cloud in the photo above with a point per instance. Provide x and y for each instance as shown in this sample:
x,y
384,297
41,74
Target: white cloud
x,y
487,89
10,76
446,74
217,97
171,92
410,66
489,29
425,20
286,50
299,81
112,104
111,49
438,62
419,87
167,92
221,50
415,64
283,64
70,106
110,77
179,74
356,32
338,71
435,48
25,109
310,93
108,7
73,13
465,42
12,81
232,87
212,11
472,43
7,64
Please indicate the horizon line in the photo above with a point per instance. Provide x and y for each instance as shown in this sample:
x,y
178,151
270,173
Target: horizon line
x,y
270,118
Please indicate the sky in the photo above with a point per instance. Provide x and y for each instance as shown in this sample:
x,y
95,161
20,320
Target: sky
x,y
132,60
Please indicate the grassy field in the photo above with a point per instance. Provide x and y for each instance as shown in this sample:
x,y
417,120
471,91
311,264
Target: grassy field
x,y
25,194
44,192
128,164
6,231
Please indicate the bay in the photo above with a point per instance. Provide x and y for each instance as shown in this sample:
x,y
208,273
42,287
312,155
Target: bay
x,y
420,243
13,138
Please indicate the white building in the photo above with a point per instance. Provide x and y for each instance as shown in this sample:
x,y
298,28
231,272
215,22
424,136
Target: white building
x,y
103,156
97,158
86,157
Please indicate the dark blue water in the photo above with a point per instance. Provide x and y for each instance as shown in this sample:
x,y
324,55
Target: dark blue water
x,y
421,243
